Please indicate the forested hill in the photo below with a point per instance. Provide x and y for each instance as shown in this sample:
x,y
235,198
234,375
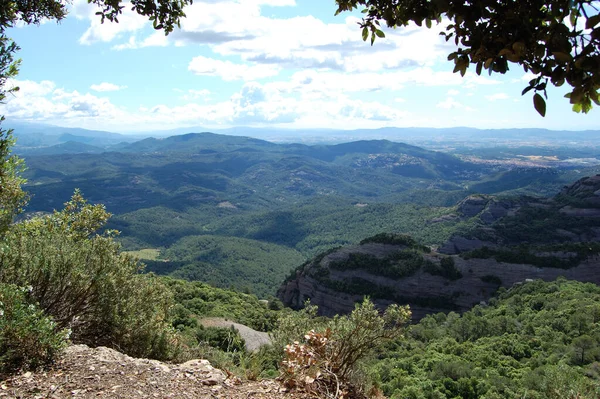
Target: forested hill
x,y
252,205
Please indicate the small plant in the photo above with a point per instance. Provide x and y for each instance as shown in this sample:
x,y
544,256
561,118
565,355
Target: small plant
x,y
326,362
28,338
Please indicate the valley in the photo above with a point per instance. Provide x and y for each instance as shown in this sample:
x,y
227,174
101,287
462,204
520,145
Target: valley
x,y
232,210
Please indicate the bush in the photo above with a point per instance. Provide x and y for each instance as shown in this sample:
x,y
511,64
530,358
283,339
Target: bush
x,y
446,269
28,338
492,279
81,279
226,339
326,362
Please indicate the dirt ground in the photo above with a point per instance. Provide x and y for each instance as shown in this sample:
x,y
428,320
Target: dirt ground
x,y
85,372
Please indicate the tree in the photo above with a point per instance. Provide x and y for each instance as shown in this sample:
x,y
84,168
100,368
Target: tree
x,y
79,278
556,40
165,15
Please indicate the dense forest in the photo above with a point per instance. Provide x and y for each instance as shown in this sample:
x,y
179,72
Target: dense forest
x,y
535,340
268,207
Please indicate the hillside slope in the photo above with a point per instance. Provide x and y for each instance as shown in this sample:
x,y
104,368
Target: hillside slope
x,y
509,241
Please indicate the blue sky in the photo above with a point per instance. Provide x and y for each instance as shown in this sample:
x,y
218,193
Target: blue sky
x,y
278,63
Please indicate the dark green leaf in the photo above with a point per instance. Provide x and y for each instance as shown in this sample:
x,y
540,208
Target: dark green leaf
x,y
592,21
540,104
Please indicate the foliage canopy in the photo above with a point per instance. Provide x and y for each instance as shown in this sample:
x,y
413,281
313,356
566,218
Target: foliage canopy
x,y
557,40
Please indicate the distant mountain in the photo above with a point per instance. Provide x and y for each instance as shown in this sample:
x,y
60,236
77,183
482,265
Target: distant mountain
x,y
69,147
40,134
31,135
195,142
194,169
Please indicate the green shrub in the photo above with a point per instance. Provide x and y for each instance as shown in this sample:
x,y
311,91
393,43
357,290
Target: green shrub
x,y
395,265
12,196
226,339
81,279
326,359
396,239
28,338
446,268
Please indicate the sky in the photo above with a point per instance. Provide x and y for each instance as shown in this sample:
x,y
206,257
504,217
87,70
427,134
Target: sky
x,y
262,63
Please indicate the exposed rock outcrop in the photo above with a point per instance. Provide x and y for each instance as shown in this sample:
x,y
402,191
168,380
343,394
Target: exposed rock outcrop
x,y
488,208
458,244
499,225
85,372
425,293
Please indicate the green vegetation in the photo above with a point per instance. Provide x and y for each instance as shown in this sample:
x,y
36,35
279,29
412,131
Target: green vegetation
x,y
541,37
395,265
81,280
572,254
198,300
492,279
537,340
146,253
28,338
243,264
396,239
446,269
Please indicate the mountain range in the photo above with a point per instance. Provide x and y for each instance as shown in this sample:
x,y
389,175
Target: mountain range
x,y
248,204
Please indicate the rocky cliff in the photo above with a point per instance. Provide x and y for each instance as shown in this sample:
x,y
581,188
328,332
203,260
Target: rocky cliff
x,y
512,240
573,215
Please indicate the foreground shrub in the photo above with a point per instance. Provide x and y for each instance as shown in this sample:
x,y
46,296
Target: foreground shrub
x,y
325,362
81,279
28,338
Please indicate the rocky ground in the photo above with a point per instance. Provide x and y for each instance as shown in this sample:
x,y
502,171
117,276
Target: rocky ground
x,y
85,372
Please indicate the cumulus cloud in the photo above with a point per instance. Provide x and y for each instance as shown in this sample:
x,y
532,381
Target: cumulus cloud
x,y
192,94
238,28
497,96
104,86
44,102
229,71
450,103
129,21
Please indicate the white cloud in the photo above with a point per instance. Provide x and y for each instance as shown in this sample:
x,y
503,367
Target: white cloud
x,y
229,71
29,87
191,94
238,28
449,103
497,96
157,39
44,102
104,86
129,21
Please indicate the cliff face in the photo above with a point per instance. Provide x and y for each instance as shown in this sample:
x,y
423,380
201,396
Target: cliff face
x,y
424,292
573,216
